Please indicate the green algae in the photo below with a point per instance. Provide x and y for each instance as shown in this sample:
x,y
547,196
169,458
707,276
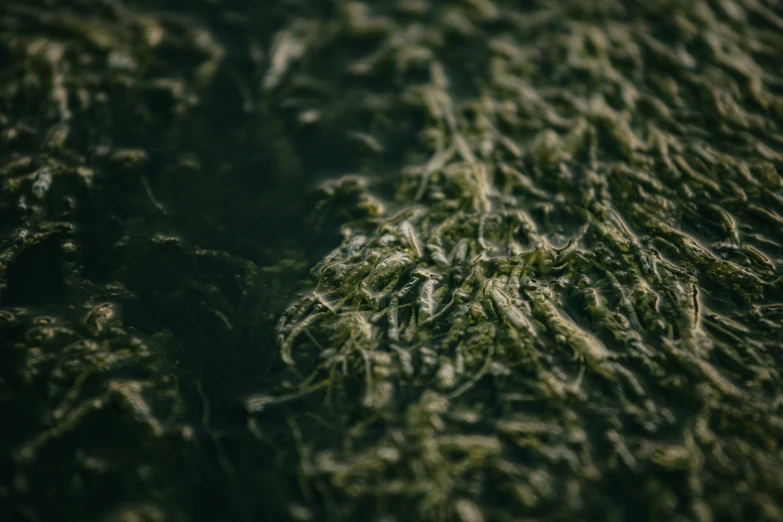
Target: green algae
x,y
564,296
557,293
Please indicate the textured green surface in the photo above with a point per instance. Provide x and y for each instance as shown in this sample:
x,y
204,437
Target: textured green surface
x,y
558,294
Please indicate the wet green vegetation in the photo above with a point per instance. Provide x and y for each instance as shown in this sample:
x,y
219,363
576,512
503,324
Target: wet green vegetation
x,y
401,260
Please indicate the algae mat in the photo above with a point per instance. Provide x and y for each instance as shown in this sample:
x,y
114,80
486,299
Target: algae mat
x,y
398,260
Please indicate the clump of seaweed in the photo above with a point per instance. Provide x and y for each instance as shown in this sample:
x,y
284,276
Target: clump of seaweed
x,y
557,294
571,308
